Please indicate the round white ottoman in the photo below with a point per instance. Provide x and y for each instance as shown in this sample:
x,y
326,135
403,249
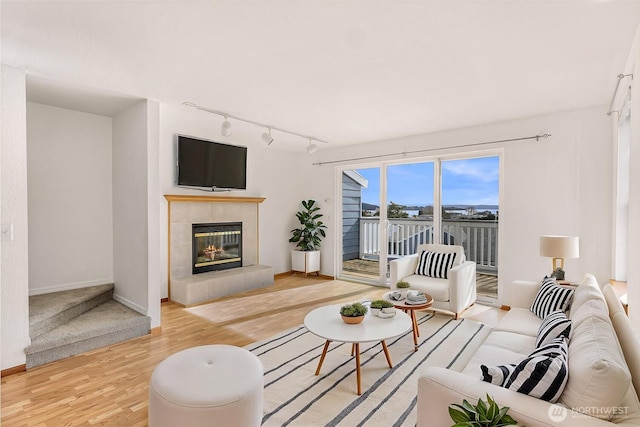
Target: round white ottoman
x,y
211,385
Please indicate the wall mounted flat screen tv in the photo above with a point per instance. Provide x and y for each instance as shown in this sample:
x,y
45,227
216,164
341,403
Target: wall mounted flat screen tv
x,y
211,165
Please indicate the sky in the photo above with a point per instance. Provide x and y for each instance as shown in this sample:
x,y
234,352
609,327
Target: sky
x,y
464,182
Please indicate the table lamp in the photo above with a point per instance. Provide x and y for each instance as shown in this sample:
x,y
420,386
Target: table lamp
x,y
559,248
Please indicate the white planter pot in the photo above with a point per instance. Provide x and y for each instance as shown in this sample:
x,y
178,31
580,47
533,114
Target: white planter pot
x,y
305,261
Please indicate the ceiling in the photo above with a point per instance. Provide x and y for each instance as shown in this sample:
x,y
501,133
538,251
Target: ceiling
x,y
343,71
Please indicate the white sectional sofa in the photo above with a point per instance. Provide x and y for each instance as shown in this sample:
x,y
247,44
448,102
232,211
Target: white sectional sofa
x,y
603,365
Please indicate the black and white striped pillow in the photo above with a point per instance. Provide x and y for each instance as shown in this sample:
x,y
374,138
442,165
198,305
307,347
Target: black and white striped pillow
x,y
551,297
555,325
543,374
556,347
435,264
496,374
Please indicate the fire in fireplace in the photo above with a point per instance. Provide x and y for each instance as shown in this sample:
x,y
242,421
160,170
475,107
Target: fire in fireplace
x,y
217,246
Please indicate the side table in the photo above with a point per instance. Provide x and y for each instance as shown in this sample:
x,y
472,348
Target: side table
x,y
410,309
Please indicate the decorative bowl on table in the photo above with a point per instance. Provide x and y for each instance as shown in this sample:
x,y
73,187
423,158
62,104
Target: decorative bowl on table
x,y
379,304
353,313
387,313
352,320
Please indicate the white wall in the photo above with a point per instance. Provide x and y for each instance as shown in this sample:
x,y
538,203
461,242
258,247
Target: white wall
x,y
270,173
70,208
633,236
14,288
135,216
154,263
561,185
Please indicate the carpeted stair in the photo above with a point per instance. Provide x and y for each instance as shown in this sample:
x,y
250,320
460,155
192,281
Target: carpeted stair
x,y
67,323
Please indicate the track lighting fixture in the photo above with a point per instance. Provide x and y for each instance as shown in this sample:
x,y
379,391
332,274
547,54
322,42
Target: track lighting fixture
x,y
226,127
266,137
312,148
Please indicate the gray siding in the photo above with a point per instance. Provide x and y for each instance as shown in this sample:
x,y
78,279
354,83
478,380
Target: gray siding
x,y
351,206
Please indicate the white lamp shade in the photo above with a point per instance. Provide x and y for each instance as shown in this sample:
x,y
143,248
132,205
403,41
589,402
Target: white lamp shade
x,y
560,246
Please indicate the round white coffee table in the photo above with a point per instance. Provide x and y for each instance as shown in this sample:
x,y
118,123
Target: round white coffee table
x,y
326,323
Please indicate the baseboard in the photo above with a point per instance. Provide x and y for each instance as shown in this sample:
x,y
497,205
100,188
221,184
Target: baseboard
x,y
132,305
69,287
14,370
291,272
156,330
282,275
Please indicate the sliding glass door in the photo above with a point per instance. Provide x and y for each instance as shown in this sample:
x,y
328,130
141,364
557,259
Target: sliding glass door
x,y
470,214
390,209
409,208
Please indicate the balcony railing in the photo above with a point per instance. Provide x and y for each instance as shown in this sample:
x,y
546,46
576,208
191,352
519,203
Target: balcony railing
x,y
478,238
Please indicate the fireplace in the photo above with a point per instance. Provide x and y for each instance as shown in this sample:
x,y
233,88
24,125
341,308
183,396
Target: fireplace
x,y
216,246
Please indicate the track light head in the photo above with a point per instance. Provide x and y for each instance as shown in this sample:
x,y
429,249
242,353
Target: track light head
x,y
312,148
267,138
226,127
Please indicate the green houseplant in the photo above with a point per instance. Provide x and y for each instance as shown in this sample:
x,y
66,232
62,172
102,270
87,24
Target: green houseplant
x,y
403,285
379,304
484,414
307,238
353,313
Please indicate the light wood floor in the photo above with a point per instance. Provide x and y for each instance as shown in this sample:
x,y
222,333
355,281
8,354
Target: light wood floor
x,y
486,283
109,386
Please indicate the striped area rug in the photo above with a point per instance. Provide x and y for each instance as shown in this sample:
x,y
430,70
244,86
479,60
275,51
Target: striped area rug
x,y
294,395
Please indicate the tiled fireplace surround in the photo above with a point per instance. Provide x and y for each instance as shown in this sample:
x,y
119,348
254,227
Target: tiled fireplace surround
x,y
188,289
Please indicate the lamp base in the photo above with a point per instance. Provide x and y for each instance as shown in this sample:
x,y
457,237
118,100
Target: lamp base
x,y
558,274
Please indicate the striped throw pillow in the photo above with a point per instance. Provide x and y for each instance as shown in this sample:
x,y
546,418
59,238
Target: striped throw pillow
x,y
496,374
555,325
543,374
435,264
551,297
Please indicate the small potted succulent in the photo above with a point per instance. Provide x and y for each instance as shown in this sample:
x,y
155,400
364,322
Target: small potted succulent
x,y
403,285
378,305
403,288
353,313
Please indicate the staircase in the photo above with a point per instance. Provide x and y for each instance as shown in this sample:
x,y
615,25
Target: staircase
x,y
63,324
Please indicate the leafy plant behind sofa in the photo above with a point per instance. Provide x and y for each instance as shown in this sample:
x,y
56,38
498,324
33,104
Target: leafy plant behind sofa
x,y
480,415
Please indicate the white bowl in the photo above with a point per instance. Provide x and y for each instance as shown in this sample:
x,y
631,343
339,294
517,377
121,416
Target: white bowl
x,y
384,315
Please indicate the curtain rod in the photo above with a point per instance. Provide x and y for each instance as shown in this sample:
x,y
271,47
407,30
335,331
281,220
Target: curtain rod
x,y
615,92
404,153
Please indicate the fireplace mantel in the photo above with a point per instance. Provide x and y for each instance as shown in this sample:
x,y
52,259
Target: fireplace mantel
x,y
212,199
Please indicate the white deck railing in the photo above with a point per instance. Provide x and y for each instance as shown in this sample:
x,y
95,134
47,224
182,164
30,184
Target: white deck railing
x,y
479,238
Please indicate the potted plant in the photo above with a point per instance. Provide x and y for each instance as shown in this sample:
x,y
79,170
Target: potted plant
x,y
403,285
403,288
378,305
307,238
353,313
481,415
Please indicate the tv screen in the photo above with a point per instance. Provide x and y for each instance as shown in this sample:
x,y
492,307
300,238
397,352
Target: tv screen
x,y
212,165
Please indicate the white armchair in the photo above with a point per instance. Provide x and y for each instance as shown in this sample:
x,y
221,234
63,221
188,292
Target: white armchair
x,y
454,294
